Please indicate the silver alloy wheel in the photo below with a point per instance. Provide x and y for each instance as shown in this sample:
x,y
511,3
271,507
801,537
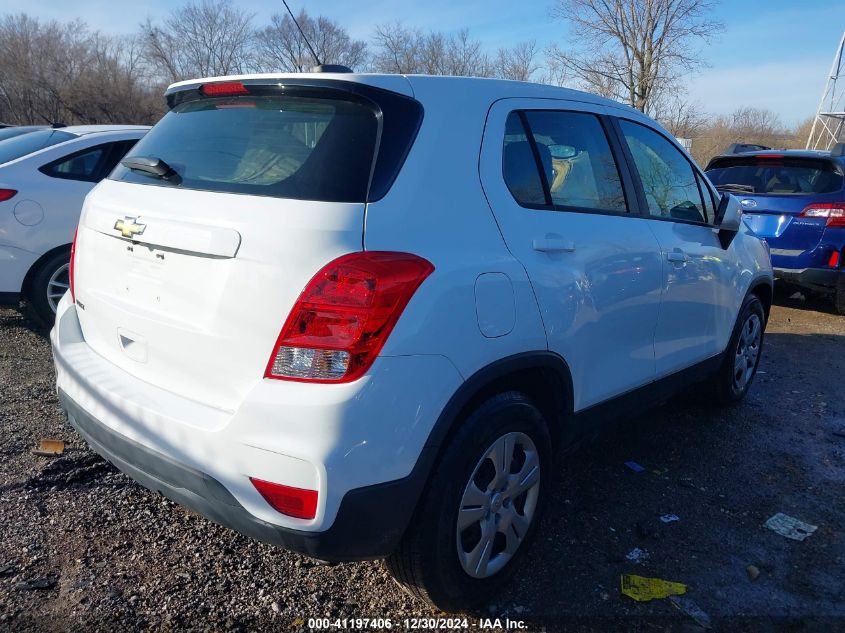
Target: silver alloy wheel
x,y
498,505
747,351
57,285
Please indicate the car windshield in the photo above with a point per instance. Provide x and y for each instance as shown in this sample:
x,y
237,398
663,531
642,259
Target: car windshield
x,y
776,176
21,145
288,147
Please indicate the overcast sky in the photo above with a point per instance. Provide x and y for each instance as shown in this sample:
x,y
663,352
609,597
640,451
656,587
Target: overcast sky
x,y
773,53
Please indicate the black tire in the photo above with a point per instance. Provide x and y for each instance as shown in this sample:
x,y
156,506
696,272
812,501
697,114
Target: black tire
x,y
729,388
427,563
839,298
36,293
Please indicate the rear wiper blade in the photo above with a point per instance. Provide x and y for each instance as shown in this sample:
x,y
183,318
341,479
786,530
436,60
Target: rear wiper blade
x,y
737,188
150,166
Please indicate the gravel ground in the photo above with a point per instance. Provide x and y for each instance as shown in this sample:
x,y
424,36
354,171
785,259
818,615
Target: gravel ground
x,y
82,547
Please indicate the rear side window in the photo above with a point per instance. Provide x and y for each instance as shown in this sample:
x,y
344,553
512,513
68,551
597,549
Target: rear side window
x,y
519,166
778,176
19,146
82,165
288,147
576,167
668,179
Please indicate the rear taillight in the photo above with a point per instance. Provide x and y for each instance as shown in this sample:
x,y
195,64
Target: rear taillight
x,y
833,211
345,314
70,272
295,502
7,194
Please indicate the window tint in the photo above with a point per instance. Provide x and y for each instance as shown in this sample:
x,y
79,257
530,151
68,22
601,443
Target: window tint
x,y
707,196
667,177
80,165
118,151
779,176
289,147
577,160
11,132
519,166
19,146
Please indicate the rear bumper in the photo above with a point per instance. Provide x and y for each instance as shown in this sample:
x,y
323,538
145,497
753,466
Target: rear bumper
x,y
816,278
361,530
363,448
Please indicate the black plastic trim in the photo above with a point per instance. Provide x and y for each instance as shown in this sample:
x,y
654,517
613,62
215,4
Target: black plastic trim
x,y
368,525
491,373
819,278
10,299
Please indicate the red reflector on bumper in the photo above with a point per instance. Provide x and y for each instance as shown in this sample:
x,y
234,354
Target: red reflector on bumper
x,y
295,502
833,262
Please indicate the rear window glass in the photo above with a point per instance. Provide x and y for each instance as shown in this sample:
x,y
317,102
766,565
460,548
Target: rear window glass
x,y
11,132
775,176
288,147
19,146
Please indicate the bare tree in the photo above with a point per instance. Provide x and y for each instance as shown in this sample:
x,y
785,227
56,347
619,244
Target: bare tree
x,y
518,63
52,72
280,45
201,39
683,117
400,49
633,47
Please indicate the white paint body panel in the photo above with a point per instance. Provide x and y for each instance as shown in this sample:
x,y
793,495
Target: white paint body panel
x,y
599,300
171,346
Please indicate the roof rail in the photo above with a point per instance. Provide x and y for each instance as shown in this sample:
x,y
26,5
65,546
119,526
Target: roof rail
x,y
838,150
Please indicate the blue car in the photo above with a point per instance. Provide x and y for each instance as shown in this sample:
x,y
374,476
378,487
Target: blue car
x,y
795,200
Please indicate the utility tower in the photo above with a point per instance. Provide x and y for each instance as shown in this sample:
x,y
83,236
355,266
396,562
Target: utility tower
x,y
829,124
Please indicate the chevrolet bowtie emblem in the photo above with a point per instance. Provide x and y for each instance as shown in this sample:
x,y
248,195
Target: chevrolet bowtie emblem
x,y
129,227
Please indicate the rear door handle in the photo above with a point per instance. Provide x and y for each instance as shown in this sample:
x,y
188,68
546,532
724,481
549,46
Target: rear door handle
x,y
553,245
678,256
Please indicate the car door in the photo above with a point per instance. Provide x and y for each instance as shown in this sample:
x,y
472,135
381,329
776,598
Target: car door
x,y
564,202
698,298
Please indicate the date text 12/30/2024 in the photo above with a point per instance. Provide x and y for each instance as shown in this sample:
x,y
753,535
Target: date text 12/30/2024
x,y
412,624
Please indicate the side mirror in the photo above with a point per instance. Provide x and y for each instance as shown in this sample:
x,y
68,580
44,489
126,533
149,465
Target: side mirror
x,y
729,218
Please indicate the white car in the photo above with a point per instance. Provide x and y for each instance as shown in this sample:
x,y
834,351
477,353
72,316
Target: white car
x,y
45,175
356,316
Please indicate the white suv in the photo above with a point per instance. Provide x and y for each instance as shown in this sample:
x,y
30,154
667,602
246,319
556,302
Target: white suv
x,y
357,315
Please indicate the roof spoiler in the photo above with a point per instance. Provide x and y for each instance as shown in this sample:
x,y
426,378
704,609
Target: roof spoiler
x,y
838,150
739,148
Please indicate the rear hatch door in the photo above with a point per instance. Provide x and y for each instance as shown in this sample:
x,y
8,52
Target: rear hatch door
x,y
185,280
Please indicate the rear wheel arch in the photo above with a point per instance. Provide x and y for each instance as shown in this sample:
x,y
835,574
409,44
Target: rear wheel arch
x,y
26,286
542,376
763,290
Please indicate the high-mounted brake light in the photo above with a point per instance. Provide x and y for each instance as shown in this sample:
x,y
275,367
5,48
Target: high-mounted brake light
x,y
7,194
224,89
769,156
341,320
833,211
71,273
295,502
